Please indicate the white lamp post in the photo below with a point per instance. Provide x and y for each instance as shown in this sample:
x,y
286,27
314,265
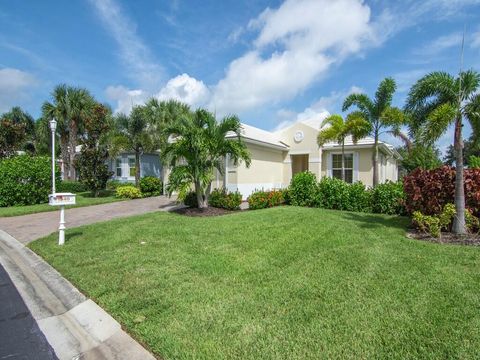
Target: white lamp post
x,y
59,199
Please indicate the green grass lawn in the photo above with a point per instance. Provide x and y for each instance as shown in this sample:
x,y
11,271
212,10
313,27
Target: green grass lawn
x,y
83,199
282,283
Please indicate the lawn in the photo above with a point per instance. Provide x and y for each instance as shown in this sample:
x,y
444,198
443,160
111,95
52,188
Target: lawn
x,y
281,283
83,199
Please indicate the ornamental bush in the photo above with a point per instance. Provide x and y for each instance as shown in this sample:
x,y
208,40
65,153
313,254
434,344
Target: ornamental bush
x,y
151,186
261,199
71,186
303,189
190,199
428,191
128,192
25,180
221,198
338,195
388,198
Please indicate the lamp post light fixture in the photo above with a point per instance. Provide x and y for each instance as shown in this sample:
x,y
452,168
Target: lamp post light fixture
x,y
58,199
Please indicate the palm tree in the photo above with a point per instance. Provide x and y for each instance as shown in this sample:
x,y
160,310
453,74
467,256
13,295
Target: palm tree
x,y
198,146
379,113
338,129
438,100
135,133
69,107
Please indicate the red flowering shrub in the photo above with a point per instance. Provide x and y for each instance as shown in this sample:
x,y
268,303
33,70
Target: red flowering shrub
x,y
428,191
266,199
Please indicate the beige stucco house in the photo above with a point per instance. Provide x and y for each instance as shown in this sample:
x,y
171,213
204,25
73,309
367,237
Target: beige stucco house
x,y
277,156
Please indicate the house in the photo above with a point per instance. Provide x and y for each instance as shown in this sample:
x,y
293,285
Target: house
x,y
277,156
123,166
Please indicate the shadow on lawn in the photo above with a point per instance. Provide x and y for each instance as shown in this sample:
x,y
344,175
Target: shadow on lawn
x,y
374,221
69,235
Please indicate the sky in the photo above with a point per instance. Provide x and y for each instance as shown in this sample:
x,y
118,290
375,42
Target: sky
x,y
269,62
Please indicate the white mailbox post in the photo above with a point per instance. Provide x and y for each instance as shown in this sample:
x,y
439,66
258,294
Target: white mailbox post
x,y
59,199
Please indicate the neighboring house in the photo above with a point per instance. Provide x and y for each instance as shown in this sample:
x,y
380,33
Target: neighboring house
x,y
277,156
123,166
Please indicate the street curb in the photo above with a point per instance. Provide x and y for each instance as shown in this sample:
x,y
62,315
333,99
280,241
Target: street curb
x,y
75,326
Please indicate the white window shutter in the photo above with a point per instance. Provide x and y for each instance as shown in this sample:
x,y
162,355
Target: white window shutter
x,y
355,166
329,165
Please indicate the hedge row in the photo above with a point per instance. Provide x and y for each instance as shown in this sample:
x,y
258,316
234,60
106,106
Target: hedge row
x,y
428,191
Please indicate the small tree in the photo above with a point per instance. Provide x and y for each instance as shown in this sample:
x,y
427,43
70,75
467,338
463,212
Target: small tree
x,y
198,146
12,136
338,129
93,171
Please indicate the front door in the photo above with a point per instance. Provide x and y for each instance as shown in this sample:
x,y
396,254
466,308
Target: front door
x,y
299,163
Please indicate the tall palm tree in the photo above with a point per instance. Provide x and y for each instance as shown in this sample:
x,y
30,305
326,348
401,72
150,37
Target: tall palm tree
x,y
69,107
338,129
438,100
198,146
380,113
135,133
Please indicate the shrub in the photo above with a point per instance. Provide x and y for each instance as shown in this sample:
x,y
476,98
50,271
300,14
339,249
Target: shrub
x,y
264,199
221,198
336,194
303,189
190,199
114,184
25,180
128,192
151,186
71,186
434,224
388,198
428,191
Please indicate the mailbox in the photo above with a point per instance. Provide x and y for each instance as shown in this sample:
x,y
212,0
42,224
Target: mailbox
x,y
59,199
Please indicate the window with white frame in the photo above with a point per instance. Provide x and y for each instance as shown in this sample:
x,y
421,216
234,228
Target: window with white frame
x,y
131,166
118,167
337,167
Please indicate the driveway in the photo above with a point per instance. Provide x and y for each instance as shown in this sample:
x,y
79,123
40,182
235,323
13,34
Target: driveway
x,y
27,228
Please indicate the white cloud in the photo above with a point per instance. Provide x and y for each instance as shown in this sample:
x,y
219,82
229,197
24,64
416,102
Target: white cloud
x,y
13,86
441,44
316,112
475,40
134,53
406,79
183,88
186,89
295,47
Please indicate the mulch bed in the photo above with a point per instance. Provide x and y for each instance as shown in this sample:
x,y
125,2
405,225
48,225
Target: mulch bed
x,y
446,238
210,211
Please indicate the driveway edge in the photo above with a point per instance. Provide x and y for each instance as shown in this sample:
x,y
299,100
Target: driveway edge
x,y
75,326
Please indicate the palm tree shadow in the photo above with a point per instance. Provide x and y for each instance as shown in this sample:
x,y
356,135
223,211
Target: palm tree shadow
x,y
374,221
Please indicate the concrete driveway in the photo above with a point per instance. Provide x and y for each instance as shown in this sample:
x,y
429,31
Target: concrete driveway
x,y
27,228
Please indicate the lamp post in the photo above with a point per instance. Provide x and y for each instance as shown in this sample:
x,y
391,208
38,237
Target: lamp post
x,y
53,128
59,199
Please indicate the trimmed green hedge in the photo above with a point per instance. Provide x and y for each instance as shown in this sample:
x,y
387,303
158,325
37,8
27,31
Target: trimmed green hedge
x,y
25,180
221,198
151,186
71,186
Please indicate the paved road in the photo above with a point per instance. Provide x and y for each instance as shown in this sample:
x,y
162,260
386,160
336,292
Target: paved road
x,y
20,335
27,228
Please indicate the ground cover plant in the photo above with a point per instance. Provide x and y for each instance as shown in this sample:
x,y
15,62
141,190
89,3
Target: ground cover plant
x,y
281,283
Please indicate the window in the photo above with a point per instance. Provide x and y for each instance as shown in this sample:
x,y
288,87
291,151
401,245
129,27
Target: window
x,y
118,166
337,167
131,165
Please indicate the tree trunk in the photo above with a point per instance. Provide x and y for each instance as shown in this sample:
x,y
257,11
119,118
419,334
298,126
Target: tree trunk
x,y
459,220
137,168
343,160
200,199
73,144
375,161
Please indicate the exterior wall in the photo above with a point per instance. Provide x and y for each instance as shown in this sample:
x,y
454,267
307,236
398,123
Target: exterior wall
x,y
362,164
265,171
308,145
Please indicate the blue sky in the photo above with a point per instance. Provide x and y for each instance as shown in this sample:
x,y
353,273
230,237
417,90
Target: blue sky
x,y
270,62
